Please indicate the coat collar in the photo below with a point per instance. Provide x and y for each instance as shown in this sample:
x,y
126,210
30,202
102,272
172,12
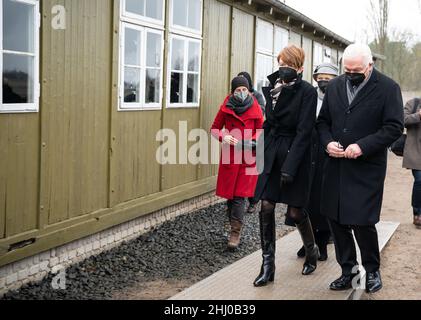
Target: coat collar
x,y
255,112
366,91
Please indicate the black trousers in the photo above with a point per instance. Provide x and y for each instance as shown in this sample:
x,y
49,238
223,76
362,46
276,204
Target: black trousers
x,y
346,253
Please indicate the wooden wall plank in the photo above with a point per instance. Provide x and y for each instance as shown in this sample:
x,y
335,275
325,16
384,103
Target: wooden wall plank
x,y
216,66
75,115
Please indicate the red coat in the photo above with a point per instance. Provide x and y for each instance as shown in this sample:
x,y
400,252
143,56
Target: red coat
x,y
237,178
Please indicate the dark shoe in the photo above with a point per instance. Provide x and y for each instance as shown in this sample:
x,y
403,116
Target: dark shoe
x,y
342,284
268,242
301,253
322,241
311,249
235,236
252,208
373,282
417,221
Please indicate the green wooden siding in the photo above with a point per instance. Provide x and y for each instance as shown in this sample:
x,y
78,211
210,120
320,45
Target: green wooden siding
x,y
75,113
19,163
80,166
242,47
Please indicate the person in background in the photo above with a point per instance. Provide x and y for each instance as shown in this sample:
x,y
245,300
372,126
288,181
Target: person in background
x,y
290,119
322,75
361,116
236,125
412,153
261,100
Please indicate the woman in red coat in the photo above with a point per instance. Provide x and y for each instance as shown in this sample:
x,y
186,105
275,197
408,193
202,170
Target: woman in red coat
x,y
236,126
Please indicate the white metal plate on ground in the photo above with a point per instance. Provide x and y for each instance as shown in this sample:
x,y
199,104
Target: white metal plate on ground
x,y
236,281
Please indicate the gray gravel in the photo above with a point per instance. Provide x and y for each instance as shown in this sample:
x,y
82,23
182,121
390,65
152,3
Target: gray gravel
x,y
192,246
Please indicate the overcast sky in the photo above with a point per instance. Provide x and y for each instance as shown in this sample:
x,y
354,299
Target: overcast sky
x,y
349,18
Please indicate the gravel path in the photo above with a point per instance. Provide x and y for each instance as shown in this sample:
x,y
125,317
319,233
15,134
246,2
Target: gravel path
x,y
157,265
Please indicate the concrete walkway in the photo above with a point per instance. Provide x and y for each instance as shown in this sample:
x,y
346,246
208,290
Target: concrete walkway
x,y
235,281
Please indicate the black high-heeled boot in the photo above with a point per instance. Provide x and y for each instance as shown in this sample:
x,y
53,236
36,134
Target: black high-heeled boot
x,y
268,241
312,251
322,240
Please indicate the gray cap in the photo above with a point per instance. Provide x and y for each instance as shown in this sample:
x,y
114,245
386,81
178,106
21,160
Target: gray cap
x,y
326,68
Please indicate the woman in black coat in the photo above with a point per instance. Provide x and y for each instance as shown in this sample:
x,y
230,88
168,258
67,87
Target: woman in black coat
x,y
322,75
290,120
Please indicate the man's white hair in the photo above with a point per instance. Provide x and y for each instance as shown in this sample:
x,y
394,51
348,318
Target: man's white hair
x,y
359,50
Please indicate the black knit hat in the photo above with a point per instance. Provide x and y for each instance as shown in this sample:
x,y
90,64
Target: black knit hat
x,y
239,82
248,77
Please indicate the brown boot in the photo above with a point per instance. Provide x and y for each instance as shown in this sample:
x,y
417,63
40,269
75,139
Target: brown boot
x,y
235,236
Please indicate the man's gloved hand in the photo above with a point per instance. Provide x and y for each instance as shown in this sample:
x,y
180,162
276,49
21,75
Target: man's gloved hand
x,y
286,179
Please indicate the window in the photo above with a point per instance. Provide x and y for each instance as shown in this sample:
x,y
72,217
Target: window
x,y
185,71
318,55
186,15
142,47
146,10
270,40
185,51
19,32
141,68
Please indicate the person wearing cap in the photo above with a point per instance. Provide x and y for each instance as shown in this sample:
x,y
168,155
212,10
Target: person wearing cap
x,y
237,126
322,75
290,120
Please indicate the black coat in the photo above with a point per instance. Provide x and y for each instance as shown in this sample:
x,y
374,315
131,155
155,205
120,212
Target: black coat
x,y
353,189
287,132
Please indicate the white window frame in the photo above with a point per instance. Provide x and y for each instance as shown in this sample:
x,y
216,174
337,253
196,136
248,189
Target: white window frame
x,y
144,20
23,107
142,105
186,72
185,31
264,51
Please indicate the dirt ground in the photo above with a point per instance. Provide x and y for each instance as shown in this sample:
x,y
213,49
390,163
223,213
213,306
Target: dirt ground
x,y
401,259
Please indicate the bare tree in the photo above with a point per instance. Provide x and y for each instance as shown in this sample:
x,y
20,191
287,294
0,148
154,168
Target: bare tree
x,y
379,20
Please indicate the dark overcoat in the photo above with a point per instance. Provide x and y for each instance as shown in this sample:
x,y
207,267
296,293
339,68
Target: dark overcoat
x,y
287,145
353,189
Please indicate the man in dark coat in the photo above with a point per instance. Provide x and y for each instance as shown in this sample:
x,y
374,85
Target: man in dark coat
x,y
361,116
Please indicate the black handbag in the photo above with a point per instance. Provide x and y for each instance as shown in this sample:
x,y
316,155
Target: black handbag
x,y
398,147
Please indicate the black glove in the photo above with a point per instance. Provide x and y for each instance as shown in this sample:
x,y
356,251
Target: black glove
x,y
286,179
248,144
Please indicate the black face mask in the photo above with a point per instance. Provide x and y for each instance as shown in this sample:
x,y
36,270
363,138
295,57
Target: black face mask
x,y
355,78
287,74
323,85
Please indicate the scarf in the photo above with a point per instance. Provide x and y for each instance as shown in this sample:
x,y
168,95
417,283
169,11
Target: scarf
x,y
277,90
240,107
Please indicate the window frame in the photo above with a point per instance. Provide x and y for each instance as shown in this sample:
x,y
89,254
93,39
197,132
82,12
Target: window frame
x,y
263,51
33,107
185,31
186,72
139,19
142,105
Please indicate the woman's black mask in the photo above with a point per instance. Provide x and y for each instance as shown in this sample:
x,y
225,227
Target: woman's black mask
x,y
287,74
